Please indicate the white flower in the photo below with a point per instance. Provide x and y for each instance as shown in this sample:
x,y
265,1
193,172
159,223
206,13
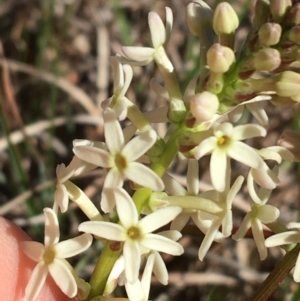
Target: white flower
x,y
122,78
120,158
285,238
64,174
209,223
139,291
135,233
51,258
226,144
160,35
260,213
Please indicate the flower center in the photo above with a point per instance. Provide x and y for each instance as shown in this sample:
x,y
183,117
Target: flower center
x,y
222,141
120,162
134,233
49,255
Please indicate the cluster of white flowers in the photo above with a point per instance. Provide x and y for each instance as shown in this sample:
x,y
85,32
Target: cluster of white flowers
x,y
200,123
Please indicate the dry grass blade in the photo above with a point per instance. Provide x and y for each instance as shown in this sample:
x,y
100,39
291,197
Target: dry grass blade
x,y
39,127
80,96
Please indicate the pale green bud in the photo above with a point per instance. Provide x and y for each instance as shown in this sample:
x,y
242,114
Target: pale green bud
x,y
204,105
279,8
293,16
281,101
267,59
199,17
219,58
294,34
269,34
261,14
225,20
288,84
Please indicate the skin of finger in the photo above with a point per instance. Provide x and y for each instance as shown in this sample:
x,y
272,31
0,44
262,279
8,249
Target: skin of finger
x,y
16,267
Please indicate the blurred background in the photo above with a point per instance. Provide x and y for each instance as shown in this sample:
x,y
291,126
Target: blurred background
x,y
55,72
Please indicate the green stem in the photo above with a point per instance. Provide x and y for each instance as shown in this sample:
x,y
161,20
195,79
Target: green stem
x,y
278,274
103,268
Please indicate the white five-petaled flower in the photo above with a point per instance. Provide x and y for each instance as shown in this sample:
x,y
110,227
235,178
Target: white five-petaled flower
x,y
51,258
159,35
122,78
120,159
289,237
260,213
135,233
226,144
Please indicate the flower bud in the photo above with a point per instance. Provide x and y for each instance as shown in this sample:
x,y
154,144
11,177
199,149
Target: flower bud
x,y
269,34
281,101
291,141
267,59
279,8
219,58
261,14
288,84
204,105
225,19
293,16
199,17
294,34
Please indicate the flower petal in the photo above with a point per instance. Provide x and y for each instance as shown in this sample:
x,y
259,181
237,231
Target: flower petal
x,y
126,209
118,73
93,155
247,131
259,238
172,186
51,227
265,177
259,113
106,230
113,179
132,256
179,222
169,23
139,54
139,145
113,132
268,214
159,269
161,244
219,164
243,153
63,277
296,274
36,282
108,201
205,147
284,238
158,218
33,249
61,197
143,176
209,238
157,29
146,278
234,190
241,232
127,69
73,246
192,178
135,291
